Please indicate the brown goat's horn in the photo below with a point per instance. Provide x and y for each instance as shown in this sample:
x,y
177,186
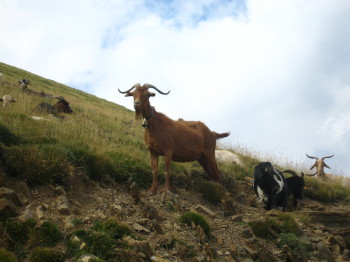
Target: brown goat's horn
x,y
290,172
151,86
311,156
327,157
124,92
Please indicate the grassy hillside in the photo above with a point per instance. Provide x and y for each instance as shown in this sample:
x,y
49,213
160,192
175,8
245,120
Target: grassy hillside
x,y
100,138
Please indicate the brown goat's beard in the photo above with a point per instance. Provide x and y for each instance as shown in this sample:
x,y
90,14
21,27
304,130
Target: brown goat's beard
x,y
138,114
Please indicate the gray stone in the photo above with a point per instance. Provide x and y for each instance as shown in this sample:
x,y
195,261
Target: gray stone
x,y
324,252
64,205
10,195
7,209
87,258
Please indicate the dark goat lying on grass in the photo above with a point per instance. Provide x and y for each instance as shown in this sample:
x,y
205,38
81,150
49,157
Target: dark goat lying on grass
x,y
62,106
179,141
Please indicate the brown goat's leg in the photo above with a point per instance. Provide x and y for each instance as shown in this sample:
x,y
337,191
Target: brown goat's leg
x,y
154,165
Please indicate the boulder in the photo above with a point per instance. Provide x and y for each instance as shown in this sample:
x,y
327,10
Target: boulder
x,y
10,194
7,209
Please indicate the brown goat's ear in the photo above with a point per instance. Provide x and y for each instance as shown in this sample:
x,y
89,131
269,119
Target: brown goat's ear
x,y
151,94
129,94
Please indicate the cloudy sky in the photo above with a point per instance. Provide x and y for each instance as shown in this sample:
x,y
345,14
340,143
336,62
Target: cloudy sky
x,y
275,73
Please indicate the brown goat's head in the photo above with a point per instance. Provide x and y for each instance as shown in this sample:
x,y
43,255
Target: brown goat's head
x,y
141,97
319,165
62,105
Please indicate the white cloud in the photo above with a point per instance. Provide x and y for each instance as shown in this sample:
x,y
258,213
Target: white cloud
x,y
275,73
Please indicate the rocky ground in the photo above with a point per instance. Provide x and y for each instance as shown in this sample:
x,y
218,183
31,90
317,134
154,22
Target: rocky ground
x,y
154,219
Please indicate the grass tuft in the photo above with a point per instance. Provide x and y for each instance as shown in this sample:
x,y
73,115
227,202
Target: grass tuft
x,y
191,217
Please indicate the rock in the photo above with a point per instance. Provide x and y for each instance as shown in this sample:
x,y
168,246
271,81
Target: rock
x,y
206,210
143,247
202,237
265,256
346,254
337,240
7,209
60,190
10,195
324,252
87,258
229,207
151,212
138,227
28,213
64,205
237,218
154,225
247,233
39,212
158,259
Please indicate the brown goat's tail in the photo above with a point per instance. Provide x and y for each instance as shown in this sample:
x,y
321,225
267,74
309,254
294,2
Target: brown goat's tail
x,y
222,135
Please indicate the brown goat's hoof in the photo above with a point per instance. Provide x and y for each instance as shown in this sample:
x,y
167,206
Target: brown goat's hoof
x,y
152,190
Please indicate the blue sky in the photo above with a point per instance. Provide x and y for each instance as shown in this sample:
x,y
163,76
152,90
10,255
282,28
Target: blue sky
x,y
276,73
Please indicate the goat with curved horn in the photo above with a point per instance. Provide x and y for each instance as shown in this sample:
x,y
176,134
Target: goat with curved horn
x,y
323,158
127,91
179,141
151,86
320,165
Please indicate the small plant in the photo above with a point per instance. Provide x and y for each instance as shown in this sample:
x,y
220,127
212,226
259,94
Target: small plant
x,y
191,217
98,243
6,256
113,228
45,255
289,225
299,249
47,234
212,191
266,228
18,231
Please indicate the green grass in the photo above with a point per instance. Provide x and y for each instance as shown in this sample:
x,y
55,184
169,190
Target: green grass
x,y
191,217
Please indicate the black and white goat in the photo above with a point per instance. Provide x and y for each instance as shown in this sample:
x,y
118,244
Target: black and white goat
x,y
270,186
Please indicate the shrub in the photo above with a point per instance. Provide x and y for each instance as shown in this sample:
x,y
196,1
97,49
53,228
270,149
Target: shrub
x,y
47,234
98,243
212,191
299,249
269,227
114,229
18,231
45,255
266,228
7,137
39,165
325,191
289,225
6,256
191,217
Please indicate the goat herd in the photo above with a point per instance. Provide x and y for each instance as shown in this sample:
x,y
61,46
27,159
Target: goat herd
x,y
61,106
186,141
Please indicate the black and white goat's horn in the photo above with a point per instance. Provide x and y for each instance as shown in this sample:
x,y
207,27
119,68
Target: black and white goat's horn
x,y
290,172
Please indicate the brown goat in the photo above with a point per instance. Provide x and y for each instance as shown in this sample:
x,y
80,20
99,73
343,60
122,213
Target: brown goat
x,y
179,141
320,164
